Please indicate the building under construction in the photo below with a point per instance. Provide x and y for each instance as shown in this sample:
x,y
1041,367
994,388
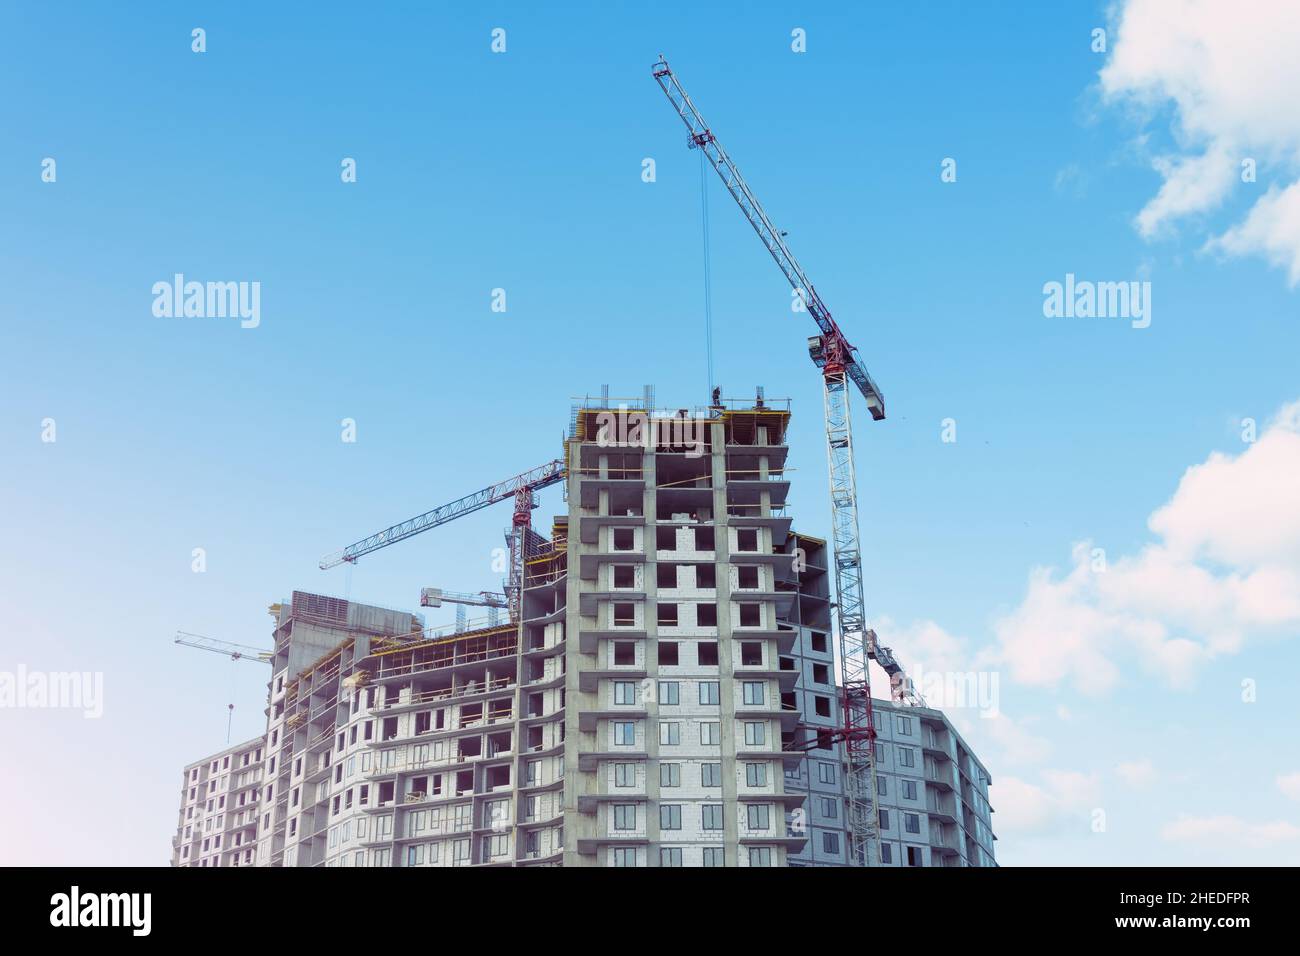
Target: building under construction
x,y
663,692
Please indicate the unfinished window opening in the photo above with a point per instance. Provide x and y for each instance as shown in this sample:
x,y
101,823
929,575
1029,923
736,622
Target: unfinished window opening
x,y
666,575
388,732
624,653
498,777
419,788
789,701
703,539
666,539
751,615
534,738
706,615
624,539
498,744
535,708
822,705
624,614
751,653
706,576
747,577
818,642
536,670
471,714
821,674
468,747
464,782
746,539
667,653
424,722
386,793
625,503
667,615
624,576
439,720
706,653
787,663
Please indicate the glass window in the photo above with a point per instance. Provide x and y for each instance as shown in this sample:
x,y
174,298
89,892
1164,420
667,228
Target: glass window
x,y
625,816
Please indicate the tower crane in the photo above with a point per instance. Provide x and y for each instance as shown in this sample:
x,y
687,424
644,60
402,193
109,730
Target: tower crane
x,y
436,597
236,652
492,600
521,488
839,364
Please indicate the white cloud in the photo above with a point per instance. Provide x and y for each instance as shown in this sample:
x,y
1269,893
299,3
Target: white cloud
x,y
1226,569
1289,784
1228,829
1137,773
1241,510
1061,803
1271,229
1230,76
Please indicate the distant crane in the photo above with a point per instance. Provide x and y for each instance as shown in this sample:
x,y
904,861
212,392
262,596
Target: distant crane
x,y
492,600
236,652
831,352
521,488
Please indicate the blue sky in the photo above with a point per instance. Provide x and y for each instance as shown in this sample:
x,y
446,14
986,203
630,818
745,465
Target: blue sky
x,y
522,171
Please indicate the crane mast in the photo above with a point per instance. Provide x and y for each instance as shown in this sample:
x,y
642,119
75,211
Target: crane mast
x,y
832,353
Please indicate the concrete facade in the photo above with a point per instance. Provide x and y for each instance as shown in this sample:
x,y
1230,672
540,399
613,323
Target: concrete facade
x,y
217,824
672,604
664,698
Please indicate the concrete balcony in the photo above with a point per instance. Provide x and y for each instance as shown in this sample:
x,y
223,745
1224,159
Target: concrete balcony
x,y
589,720
591,760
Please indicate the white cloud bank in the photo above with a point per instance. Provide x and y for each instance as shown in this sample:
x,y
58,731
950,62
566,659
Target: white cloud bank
x,y
1228,830
1225,568
1289,784
1139,774
1063,803
1230,72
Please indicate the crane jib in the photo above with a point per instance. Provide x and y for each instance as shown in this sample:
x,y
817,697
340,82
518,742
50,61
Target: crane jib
x,y
535,479
836,353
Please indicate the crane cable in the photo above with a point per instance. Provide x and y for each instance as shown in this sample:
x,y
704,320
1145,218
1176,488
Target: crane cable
x,y
708,270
